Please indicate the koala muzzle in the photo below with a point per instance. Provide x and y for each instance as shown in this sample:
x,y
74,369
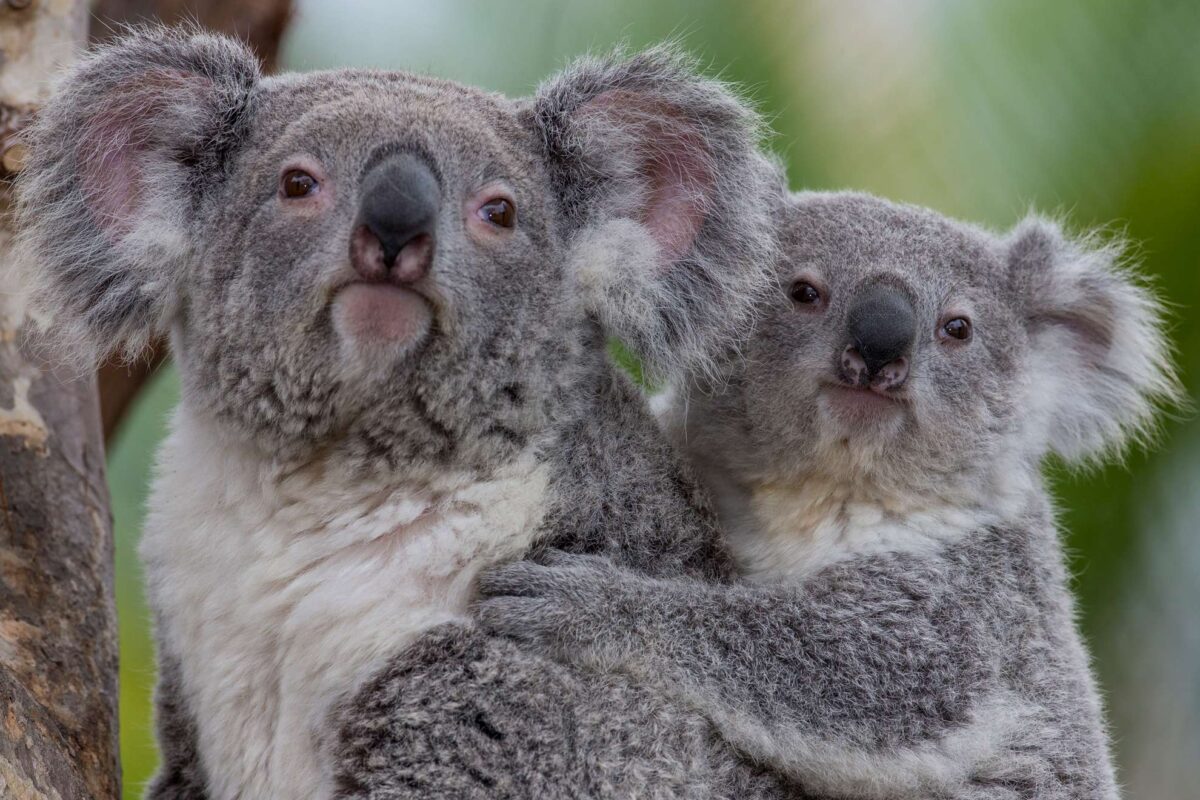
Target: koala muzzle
x,y
393,237
882,325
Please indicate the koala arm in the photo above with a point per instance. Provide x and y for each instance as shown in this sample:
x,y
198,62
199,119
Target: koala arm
x,y
882,669
461,714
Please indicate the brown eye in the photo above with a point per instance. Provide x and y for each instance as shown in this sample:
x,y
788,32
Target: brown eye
x,y
957,328
805,294
500,212
298,183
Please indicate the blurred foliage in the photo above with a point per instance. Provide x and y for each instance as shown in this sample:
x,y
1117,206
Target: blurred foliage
x,y
980,110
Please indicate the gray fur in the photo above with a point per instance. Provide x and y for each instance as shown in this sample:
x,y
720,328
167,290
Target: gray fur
x,y
946,665
151,202
465,716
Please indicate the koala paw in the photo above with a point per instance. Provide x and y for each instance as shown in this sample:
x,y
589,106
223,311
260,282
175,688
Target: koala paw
x,y
569,606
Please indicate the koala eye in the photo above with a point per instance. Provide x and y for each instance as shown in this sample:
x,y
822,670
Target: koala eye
x,y
805,293
298,183
499,211
958,328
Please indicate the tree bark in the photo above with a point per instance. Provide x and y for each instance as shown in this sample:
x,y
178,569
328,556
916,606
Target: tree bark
x,y
261,24
58,631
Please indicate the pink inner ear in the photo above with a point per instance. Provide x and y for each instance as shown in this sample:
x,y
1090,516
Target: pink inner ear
x,y
680,180
674,162
117,145
110,176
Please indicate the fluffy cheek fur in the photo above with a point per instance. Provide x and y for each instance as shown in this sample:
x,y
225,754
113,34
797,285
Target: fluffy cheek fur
x,y
775,393
260,354
962,415
281,392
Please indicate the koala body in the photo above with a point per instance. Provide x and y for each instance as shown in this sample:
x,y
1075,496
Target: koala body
x,y
903,626
319,584
389,299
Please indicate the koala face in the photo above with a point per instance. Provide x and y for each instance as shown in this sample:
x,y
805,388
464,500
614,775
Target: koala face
x,y
389,245
856,360
920,355
404,269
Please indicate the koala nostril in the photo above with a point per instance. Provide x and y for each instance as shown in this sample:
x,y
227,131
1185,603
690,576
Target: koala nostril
x,y
891,375
414,259
854,369
370,260
366,254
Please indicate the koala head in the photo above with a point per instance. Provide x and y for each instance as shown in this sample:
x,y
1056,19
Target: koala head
x,y
922,356
400,266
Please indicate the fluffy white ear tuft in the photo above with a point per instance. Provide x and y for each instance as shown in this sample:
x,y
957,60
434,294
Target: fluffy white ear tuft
x,y
668,199
609,261
1102,361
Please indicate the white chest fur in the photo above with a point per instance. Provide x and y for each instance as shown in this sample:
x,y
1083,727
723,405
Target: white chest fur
x,y
279,595
790,530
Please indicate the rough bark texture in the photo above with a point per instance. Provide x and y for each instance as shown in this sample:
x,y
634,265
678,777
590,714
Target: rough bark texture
x,y
261,23
58,631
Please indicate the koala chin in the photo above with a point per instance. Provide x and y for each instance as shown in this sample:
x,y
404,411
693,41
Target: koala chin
x,y
902,625
395,373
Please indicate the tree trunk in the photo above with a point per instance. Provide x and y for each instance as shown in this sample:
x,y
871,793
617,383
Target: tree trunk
x,y
58,632
261,24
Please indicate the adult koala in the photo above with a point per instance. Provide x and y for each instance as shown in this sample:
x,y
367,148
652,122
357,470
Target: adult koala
x,y
388,297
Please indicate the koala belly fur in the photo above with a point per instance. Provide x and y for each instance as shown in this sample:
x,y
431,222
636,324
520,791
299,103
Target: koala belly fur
x,y
279,594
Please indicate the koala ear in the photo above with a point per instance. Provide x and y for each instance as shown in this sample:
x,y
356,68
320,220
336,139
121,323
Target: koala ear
x,y
668,203
119,158
1101,359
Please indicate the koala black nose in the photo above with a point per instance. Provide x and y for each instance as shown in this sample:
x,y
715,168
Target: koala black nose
x,y
882,326
397,218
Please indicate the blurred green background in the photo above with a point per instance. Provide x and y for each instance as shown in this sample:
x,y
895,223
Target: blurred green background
x,y
980,110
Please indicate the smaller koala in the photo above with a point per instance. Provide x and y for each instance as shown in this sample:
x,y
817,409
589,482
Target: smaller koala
x,y
903,627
